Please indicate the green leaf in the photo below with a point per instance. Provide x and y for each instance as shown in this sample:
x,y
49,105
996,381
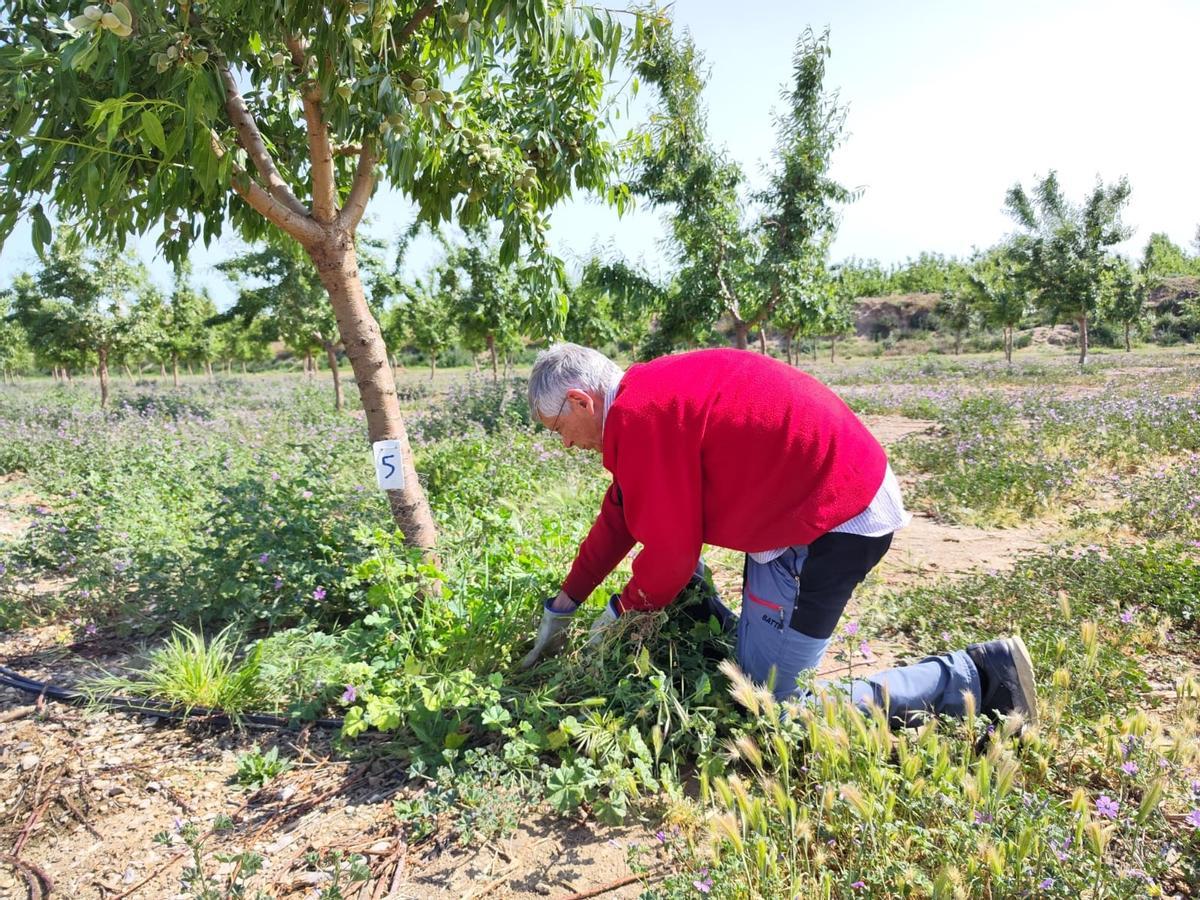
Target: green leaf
x,y
152,128
42,233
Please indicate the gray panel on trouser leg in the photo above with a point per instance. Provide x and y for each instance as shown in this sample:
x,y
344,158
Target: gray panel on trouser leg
x,y
768,597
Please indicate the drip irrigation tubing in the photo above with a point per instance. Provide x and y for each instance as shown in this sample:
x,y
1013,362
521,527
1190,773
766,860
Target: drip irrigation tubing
x,y
138,706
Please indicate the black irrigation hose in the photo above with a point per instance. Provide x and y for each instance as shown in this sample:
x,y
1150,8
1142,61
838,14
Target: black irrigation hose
x,y
16,680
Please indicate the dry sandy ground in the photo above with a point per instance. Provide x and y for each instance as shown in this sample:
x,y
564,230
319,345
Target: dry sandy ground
x,y
82,793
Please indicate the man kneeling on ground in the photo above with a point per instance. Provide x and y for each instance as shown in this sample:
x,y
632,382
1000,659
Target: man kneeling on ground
x,y
734,449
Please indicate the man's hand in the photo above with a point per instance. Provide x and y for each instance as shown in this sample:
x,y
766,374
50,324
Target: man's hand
x,y
556,615
603,622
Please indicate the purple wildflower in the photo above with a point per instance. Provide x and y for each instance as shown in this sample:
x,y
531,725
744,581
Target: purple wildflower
x,y
90,631
859,885
1046,883
661,836
865,649
264,558
1127,617
703,886
319,594
982,818
1193,819
851,629
278,582
306,495
1106,806
1129,768
351,694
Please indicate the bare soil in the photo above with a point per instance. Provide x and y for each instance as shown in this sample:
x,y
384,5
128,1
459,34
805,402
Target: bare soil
x,y
84,792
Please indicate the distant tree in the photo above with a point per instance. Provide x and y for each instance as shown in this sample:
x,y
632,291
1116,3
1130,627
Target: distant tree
x,y
1001,294
929,273
681,170
1123,297
277,282
425,318
14,343
487,297
1065,248
805,310
955,311
800,201
80,301
1163,258
612,303
863,277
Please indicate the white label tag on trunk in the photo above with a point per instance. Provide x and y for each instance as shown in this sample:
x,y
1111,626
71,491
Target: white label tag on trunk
x,y
389,465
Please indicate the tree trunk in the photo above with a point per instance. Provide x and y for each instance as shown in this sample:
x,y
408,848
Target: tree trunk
x,y
128,372
337,378
162,369
741,334
309,368
1008,344
191,371
491,345
957,343
102,355
67,375
832,347
1083,340
814,348
243,367
1127,347
432,365
337,266
787,346
209,369
762,340
175,369
229,367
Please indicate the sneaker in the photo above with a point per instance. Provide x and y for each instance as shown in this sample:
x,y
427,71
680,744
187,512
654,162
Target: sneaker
x,y
1006,678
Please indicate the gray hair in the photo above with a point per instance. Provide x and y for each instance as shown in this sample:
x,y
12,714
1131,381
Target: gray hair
x,y
564,366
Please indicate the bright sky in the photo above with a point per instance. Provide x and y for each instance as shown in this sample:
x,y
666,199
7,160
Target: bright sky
x,y
950,103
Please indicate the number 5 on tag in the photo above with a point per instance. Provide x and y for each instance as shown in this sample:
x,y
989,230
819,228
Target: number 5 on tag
x,y
389,465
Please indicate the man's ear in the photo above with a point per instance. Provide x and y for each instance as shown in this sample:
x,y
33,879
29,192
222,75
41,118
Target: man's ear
x,y
581,399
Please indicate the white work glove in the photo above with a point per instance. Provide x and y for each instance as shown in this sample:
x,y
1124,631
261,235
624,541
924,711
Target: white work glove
x,y
602,623
551,633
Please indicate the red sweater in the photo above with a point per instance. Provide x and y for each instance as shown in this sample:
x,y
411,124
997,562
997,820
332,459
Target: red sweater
x,y
722,447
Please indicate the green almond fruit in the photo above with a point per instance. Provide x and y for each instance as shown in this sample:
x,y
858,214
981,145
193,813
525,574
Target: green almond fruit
x,y
122,31
418,97
80,23
418,84
121,11
200,57
343,91
110,21
93,12
436,96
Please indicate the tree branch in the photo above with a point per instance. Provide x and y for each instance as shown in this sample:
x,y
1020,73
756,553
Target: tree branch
x,y
300,226
418,17
360,190
251,140
319,150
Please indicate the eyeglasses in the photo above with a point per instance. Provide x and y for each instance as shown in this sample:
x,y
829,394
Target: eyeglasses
x,y
554,426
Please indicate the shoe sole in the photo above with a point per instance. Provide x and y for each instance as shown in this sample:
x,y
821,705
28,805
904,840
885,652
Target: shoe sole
x,y
1026,703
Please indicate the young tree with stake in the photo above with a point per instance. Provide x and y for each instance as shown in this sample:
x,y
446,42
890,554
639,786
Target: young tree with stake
x,y
285,116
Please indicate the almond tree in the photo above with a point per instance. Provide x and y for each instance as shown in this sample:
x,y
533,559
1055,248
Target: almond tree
x,y
81,302
1065,247
284,117
999,285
